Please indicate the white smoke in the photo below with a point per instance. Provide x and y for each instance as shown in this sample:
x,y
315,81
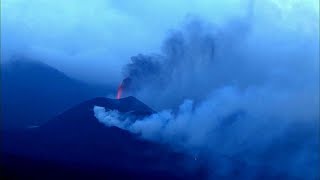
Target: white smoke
x,y
232,123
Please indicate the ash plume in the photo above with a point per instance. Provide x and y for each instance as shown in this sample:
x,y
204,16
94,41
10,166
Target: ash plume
x,y
247,89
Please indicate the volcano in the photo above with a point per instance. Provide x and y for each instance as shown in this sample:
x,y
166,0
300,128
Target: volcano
x,y
76,145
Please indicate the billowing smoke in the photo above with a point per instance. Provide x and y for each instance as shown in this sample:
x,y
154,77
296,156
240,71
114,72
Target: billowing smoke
x,y
247,89
200,58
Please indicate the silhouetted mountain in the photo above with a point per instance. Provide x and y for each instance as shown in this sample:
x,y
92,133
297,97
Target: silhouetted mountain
x,y
75,144
82,114
33,92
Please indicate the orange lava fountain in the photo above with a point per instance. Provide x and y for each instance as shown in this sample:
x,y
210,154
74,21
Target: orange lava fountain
x,y
119,92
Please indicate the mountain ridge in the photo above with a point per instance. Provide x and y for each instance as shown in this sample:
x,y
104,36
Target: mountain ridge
x,y
33,92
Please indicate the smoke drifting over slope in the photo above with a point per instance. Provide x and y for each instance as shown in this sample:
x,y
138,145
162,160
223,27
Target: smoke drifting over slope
x,y
226,124
253,85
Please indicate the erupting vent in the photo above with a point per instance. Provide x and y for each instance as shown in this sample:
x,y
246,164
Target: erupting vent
x,y
119,92
125,88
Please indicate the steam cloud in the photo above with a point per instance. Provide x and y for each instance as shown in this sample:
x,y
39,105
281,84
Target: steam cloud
x,y
253,85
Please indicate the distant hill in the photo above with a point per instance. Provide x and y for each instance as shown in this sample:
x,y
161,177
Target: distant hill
x,y
76,145
33,92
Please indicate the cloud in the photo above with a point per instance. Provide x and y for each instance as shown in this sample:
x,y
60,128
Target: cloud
x,y
87,39
93,39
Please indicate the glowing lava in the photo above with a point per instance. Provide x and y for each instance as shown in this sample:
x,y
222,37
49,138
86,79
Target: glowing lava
x,y
119,92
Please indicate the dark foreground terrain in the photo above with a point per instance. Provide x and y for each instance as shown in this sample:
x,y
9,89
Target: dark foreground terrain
x,y
75,145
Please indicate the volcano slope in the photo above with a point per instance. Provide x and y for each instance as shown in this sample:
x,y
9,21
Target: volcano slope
x,y
33,93
75,145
